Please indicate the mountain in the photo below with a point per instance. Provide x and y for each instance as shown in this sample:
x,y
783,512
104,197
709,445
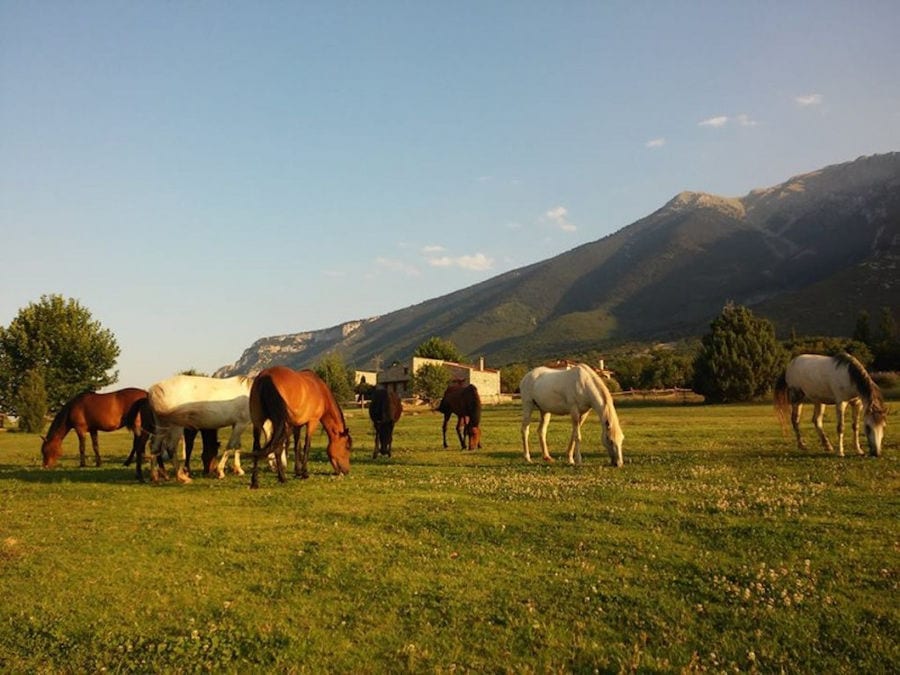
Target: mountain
x,y
808,254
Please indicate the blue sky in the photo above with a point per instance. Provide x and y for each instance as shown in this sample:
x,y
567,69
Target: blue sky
x,y
202,174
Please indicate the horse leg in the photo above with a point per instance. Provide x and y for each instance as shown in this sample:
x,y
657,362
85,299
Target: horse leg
x,y
95,444
526,427
297,459
181,473
80,434
444,429
839,409
304,468
377,427
575,441
542,432
190,435
818,414
279,464
796,409
460,425
857,413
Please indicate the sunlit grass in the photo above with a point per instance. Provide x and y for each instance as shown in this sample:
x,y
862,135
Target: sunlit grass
x,y
717,547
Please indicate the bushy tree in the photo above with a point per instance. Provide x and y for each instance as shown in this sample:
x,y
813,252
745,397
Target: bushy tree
x,y
59,338
511,376
32,402
438,348
739,358
430,381
337,376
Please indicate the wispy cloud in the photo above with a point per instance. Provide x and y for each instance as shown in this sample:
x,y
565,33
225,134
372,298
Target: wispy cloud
x,y
809,99
655,143
398,266
433,248
478,262
744,120
715,122
559,216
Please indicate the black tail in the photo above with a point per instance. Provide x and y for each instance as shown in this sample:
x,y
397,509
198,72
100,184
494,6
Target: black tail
x,y
140,416
272,407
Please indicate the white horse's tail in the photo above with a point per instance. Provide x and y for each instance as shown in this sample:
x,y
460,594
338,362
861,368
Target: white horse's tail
x,y
782,400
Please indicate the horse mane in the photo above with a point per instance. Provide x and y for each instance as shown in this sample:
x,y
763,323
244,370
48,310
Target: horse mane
x,y
60,417
863,382
605,396
475,417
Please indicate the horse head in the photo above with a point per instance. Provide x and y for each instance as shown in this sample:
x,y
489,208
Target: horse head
x,y
51,449
612,436
875,421
473,433
339,447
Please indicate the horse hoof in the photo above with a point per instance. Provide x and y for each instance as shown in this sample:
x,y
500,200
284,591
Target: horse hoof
x,y
549,460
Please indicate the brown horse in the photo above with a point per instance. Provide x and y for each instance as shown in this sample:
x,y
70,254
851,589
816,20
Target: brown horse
x,y
89,413
384,411
464,402
283,400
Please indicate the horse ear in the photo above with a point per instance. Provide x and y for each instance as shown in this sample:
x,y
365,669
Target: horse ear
x,y
44,439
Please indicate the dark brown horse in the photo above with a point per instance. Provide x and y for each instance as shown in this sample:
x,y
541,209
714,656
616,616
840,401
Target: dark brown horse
x,y
283,400
89,413
464,402
384,411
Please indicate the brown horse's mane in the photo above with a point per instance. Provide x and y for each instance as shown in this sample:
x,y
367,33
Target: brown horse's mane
x,y
864,383
61,416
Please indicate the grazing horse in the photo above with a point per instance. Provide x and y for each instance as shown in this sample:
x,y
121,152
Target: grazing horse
x,y
575,392
464,402
194,402
89,413
837,380
281,401
385,409
142,411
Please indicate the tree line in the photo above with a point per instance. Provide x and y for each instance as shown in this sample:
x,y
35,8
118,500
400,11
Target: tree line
x,y
54,350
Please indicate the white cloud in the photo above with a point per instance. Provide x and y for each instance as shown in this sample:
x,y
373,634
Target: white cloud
x,y
744,120
655,143
716,122
398,266
433,248
809,99
475,263
559,216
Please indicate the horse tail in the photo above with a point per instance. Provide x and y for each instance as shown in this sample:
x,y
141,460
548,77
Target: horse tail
x,y
271,406
474,406
781,399
138,416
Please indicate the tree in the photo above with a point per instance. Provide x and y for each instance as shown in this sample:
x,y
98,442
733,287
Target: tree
x,y
339,379
511,376
430,381
739,358
862,332
60,339
32,402
438,348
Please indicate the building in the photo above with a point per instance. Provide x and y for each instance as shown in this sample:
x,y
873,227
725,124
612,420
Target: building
x,y
486,380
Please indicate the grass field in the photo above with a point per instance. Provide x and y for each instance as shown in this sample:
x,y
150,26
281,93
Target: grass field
x,y
718,547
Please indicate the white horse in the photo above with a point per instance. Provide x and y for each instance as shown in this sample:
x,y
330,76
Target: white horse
x,y
199,403
837,380
575,392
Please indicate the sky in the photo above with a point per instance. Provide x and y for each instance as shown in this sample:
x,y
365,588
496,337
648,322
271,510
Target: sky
x,y
199,175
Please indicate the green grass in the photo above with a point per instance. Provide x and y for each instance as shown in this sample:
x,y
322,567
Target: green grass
x,y
717,547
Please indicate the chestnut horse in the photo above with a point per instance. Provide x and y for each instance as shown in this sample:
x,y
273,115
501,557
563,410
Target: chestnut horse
x,y
384,411
464,402
281,401
89,413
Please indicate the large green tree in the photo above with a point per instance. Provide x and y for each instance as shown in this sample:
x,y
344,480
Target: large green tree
x,y
739,358
59,338
339,378
439,348
430,381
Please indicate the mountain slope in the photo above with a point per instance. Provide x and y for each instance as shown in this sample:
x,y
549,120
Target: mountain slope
x,y
809,254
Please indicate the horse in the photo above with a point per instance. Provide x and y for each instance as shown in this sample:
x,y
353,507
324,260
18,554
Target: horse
x,y
283,400
89,413
575,392
464,402
209,437
384,411
196,402
837,380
